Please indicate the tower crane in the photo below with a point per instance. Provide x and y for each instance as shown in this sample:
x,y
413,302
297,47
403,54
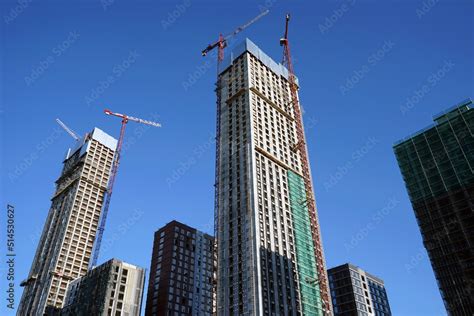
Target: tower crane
x,y
113,175
221,43
300,146
68,130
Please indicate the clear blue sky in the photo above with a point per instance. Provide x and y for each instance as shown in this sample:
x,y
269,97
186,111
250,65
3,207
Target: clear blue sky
x,y
356,73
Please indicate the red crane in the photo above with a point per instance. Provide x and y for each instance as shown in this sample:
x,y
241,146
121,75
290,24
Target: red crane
x,y
113,175
221,43
301,146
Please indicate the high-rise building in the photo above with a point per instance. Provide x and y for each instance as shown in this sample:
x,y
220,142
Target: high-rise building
x,y
437,164
65,246
182,272
112,288
266,252
355,292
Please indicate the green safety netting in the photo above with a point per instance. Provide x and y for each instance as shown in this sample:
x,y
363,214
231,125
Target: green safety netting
x,y
305,260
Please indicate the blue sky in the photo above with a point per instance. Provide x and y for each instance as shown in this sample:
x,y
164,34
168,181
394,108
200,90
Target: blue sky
x,y
370,73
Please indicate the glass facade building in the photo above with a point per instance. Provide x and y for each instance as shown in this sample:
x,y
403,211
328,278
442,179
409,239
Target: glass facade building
x,y
355,292
437,165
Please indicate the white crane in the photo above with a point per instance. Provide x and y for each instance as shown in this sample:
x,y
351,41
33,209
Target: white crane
x,y
68,130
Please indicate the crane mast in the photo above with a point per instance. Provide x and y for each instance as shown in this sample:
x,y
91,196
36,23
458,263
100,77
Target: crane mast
x,y
301,146
113,175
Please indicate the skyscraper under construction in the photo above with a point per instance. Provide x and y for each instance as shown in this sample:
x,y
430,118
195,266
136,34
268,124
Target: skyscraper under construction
x,y
65,246
437,164
270,259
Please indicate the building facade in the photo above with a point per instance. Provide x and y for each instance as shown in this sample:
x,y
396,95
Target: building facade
x,y
265,247
355,292
114,288
182,272
65,246
437,165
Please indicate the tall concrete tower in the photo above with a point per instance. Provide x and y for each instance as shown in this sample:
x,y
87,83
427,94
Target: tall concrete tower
x,y
265,244
65,247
